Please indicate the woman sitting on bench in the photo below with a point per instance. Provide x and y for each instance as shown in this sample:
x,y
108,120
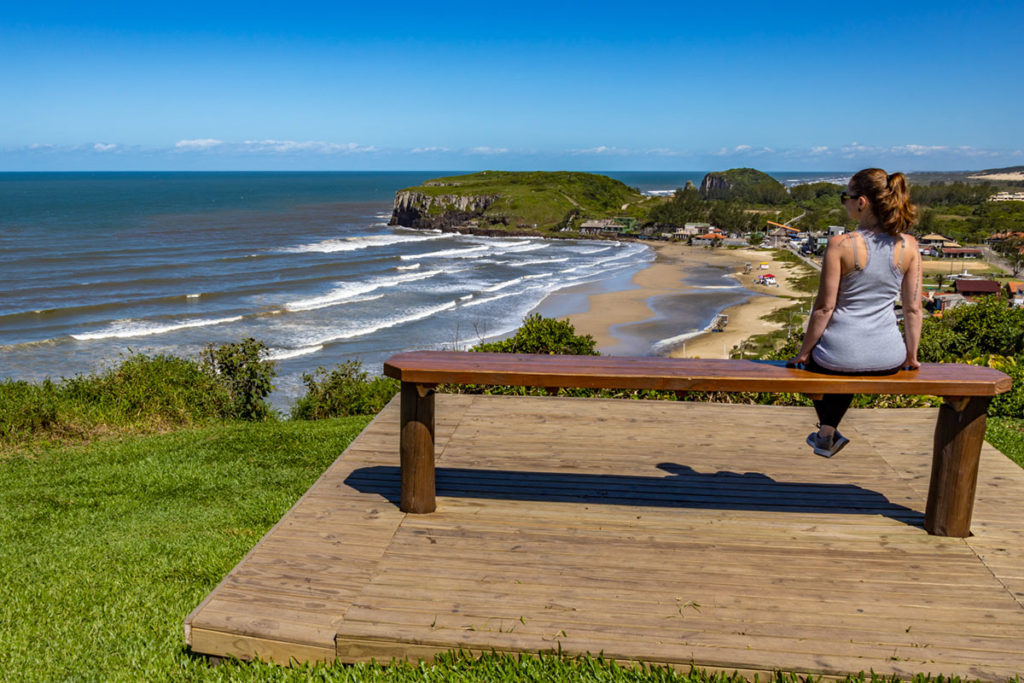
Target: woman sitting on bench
x,y
852,328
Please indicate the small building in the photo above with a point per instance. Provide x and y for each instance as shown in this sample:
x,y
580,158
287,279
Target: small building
x,y
935,241
615,226
946,301
1007,197
973,289
998,238
834,230
961,252
1015,293
707,239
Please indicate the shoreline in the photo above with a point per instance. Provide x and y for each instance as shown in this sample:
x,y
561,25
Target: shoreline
x,y
622,320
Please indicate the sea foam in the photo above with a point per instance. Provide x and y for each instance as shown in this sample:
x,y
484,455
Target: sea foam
x,y
349,291
384,324
355,243
125,329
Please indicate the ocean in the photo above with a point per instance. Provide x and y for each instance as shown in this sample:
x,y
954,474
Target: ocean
x,y
97,266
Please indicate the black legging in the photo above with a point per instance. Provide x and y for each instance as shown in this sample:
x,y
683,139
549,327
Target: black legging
x,y
832,407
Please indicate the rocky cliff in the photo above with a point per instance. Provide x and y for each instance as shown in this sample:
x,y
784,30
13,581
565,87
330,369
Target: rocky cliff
x,y
714,184
440,212
744,184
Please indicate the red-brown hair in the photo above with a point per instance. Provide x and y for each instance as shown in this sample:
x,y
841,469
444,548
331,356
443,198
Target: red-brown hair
x,y
889,197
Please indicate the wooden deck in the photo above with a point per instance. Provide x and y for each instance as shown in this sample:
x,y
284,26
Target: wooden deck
x,y
657,531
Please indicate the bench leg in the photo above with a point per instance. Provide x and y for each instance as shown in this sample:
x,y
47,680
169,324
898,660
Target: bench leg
x,y
417,448
959,433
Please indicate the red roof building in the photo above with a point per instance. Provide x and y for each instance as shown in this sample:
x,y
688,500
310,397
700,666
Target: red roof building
x,y
973,288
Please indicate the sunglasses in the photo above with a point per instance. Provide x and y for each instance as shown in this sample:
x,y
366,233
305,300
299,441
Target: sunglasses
x,y
844,195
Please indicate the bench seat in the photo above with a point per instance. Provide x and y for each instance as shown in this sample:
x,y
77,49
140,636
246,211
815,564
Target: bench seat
x,y
959,431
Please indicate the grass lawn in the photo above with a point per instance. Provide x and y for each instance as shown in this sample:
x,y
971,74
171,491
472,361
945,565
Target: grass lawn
x,y
105,548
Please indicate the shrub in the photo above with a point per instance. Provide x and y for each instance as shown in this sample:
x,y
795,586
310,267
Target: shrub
x,y
141,393
244,375
346,390
1010,404
26,409
989,326
166,388
544,335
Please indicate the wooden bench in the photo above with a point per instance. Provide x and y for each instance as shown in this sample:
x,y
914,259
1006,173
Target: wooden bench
x,y
959,430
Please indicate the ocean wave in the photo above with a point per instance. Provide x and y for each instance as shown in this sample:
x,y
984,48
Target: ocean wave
x,y
354,243
496,297
595,251
520,248
348,292
125,329
466,252
283,354
386,323
412,267
534,262
503,285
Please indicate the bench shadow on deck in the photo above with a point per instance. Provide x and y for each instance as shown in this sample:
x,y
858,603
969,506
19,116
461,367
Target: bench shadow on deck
x,y
663,532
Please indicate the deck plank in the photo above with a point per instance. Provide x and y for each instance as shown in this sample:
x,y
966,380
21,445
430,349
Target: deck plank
x,y
664,532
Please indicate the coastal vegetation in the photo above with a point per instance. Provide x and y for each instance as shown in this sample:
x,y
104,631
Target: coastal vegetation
x,y
544,202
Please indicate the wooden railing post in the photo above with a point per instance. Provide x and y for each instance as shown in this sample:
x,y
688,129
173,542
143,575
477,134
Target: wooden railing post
x,y
417,448
959,433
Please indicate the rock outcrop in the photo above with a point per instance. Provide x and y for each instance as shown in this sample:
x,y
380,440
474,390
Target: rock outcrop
x,y
714,184
438,212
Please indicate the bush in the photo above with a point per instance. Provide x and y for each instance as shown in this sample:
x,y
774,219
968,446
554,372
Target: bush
x,y
142,393
544,335
1010,404
26,409
175,390
989,326
346,390
244,375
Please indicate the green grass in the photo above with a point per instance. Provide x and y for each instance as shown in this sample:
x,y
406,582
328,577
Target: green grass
x,y
1007,435
106,547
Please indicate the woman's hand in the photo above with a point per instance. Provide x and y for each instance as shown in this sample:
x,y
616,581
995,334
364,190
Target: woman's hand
x,y
799,359
912,363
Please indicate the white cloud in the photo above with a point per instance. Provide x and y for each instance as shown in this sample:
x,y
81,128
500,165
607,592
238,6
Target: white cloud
x,y
104,147
918,150
312,146
742,148
820,149
488,150
198,144
667,152
427,150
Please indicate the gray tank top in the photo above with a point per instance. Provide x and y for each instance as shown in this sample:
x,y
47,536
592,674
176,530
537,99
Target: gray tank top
x,y
863,334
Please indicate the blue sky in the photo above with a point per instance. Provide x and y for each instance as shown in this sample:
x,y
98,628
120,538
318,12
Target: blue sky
x,y
580,86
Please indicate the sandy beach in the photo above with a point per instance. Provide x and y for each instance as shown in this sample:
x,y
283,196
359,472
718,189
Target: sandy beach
x,y
613,316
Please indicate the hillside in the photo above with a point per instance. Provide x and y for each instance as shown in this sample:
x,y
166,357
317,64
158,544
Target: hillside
x,y
745,184
512,201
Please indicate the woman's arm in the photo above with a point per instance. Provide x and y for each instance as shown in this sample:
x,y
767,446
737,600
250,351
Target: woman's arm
x,y
911,295
825,301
